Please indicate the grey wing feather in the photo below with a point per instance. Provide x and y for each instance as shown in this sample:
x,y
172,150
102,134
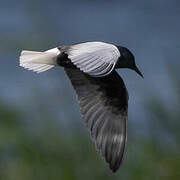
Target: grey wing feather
x,y
94,58
104,105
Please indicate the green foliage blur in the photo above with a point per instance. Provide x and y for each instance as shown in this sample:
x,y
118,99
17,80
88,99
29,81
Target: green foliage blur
x,y
51,151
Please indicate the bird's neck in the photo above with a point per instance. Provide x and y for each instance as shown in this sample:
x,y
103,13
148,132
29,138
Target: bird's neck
x,y
121,63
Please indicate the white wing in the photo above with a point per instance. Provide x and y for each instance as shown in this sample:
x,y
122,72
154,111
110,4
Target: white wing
x,y
94,58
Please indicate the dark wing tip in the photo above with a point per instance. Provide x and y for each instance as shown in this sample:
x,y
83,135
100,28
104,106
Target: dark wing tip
x,y
113,169
116,166
113,142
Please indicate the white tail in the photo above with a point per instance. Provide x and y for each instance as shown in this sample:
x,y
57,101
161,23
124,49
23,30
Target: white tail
x,y
39,61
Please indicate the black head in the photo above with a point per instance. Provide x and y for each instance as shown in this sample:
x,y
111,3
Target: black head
x,y
127,60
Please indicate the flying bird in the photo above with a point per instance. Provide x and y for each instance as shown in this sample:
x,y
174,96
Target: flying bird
x,y
102,94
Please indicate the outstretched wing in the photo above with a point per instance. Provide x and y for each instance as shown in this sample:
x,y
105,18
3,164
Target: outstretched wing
x,y
104,105
94,58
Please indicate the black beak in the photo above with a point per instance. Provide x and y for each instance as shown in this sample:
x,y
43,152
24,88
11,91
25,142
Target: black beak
x,y
138,71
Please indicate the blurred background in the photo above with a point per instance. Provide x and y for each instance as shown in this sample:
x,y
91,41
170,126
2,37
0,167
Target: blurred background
x,y
42,135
